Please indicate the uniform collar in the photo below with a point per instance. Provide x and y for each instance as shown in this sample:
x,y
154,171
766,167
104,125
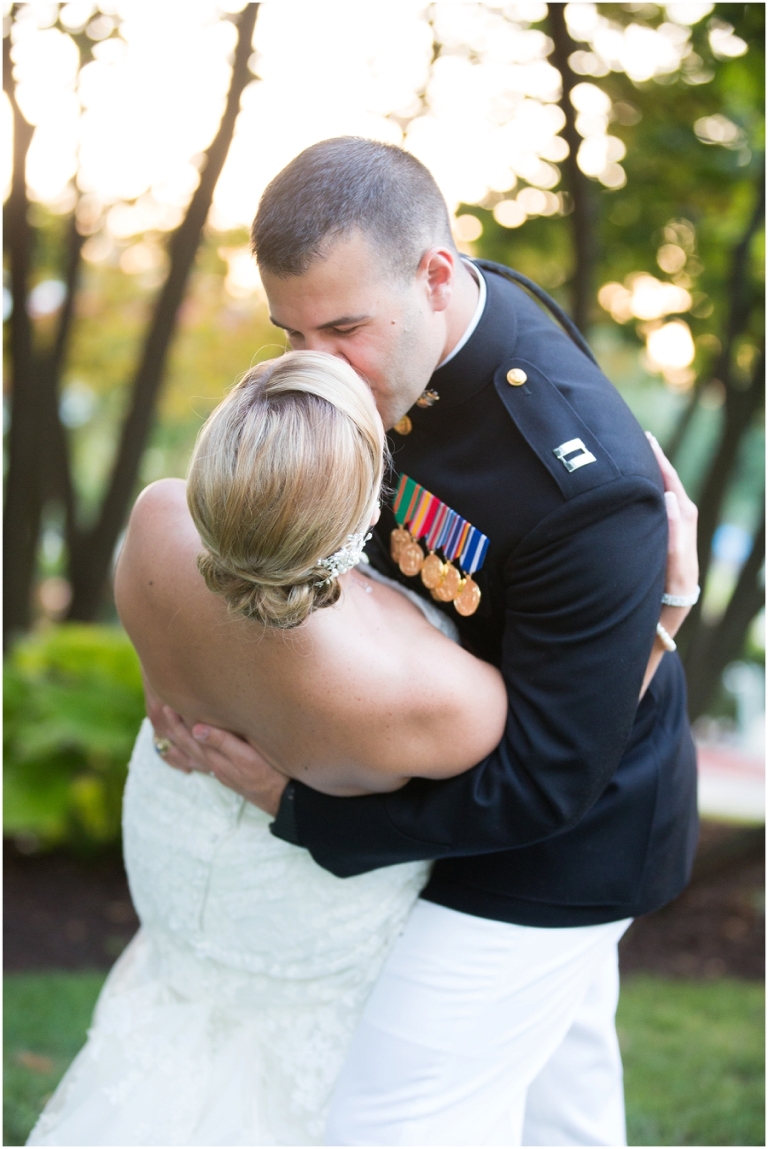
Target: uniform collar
x,y
493,339
477,316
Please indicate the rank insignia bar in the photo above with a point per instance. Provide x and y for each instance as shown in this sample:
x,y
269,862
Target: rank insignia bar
x,y
421,515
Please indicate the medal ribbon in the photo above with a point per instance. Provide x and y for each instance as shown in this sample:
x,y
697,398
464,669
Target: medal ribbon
x,y
436,531
403,494
452,534
473,554
426,515
461,538
428,507
419,513
411,497
450,519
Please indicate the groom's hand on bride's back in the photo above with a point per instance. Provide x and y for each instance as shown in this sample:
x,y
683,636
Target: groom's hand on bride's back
x,y
232,760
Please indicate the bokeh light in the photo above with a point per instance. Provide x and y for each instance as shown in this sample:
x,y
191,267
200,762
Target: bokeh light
x,y
484,116
642,296
642,52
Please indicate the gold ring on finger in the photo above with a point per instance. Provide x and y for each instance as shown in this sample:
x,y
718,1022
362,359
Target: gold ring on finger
x,y
162,746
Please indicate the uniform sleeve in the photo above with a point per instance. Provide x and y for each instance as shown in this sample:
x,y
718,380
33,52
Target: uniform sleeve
x,y
583,594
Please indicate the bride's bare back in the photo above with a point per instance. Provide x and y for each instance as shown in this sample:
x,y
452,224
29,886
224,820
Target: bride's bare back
x,y
362,696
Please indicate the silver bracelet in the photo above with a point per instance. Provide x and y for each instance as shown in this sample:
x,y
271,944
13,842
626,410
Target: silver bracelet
x,y
667,641
681,599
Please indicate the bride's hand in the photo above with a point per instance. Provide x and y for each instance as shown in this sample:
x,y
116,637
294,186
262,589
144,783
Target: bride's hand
x,y
230,759
682,557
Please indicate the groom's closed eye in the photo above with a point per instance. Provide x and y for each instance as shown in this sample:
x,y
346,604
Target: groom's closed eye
x,y
345,325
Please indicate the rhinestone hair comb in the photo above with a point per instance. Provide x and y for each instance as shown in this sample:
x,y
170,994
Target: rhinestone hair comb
x,y
345,558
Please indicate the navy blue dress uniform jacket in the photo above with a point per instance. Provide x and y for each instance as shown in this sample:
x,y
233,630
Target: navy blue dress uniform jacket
x,y
586,811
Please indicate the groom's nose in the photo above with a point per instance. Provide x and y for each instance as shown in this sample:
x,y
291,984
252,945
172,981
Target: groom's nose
x,y
322,341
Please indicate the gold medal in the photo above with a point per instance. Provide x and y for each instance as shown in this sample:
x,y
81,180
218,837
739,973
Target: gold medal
x,y
403,426
397,540
468,598
432,571
450,585
411,559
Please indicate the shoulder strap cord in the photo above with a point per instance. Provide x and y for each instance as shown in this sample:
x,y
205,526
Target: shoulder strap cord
x,y
564,320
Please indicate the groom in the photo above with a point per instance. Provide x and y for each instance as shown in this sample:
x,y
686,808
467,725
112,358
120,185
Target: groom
x,y
493,1021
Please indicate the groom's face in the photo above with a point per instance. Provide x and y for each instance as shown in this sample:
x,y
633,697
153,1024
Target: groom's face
x,y
348,304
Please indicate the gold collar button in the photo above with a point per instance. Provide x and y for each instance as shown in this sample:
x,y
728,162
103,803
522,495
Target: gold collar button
x,y
516,377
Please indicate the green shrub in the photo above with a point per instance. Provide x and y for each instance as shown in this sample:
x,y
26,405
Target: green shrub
x,y
73,705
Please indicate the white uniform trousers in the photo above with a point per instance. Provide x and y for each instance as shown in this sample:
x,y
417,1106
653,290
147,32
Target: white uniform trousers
x,y
480,1032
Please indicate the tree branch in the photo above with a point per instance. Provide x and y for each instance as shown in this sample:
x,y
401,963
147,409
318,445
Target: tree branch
x,y
57,463
739,282
91,559
675,441
582,223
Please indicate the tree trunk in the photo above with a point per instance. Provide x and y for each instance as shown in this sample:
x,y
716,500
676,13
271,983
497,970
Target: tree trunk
x,y
582,221
21,522
724,642
740,408
92,556
57,470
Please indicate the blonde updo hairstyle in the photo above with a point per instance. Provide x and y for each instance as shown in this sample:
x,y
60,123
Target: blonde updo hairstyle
x,y
284,470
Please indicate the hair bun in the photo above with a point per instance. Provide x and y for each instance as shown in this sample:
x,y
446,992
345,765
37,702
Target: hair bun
x,y
279,606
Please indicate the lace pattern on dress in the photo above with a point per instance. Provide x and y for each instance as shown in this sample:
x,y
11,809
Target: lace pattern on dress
x,y
226,1020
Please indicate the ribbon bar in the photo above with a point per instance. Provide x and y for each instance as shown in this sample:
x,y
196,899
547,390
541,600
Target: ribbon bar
x,y
425,515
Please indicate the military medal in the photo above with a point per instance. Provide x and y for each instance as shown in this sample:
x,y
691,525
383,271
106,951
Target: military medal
x,y
425,508
474,547
432,571
397,541
411,559
468,599
421,515
406,498
449,586
403,426
434,568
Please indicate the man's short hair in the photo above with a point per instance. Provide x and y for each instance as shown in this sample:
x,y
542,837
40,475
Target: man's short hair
x,y
343,184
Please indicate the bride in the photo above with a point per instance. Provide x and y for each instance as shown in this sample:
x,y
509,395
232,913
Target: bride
x,y
227,1019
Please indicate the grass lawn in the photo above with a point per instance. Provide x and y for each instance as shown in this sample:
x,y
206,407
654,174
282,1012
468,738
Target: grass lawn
x,y
693,1054
693,1061
45,1016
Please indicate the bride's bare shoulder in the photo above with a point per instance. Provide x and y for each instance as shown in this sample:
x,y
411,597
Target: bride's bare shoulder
x,y
418,704
160,505
160,545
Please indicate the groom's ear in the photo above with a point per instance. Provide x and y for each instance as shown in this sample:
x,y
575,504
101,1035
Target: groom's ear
x,y
436,271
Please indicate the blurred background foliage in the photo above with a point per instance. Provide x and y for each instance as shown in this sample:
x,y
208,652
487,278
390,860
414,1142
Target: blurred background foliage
x,y
624,172
73,701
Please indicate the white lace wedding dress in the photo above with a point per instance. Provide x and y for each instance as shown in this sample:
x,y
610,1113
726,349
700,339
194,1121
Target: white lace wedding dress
x,y
227,1018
